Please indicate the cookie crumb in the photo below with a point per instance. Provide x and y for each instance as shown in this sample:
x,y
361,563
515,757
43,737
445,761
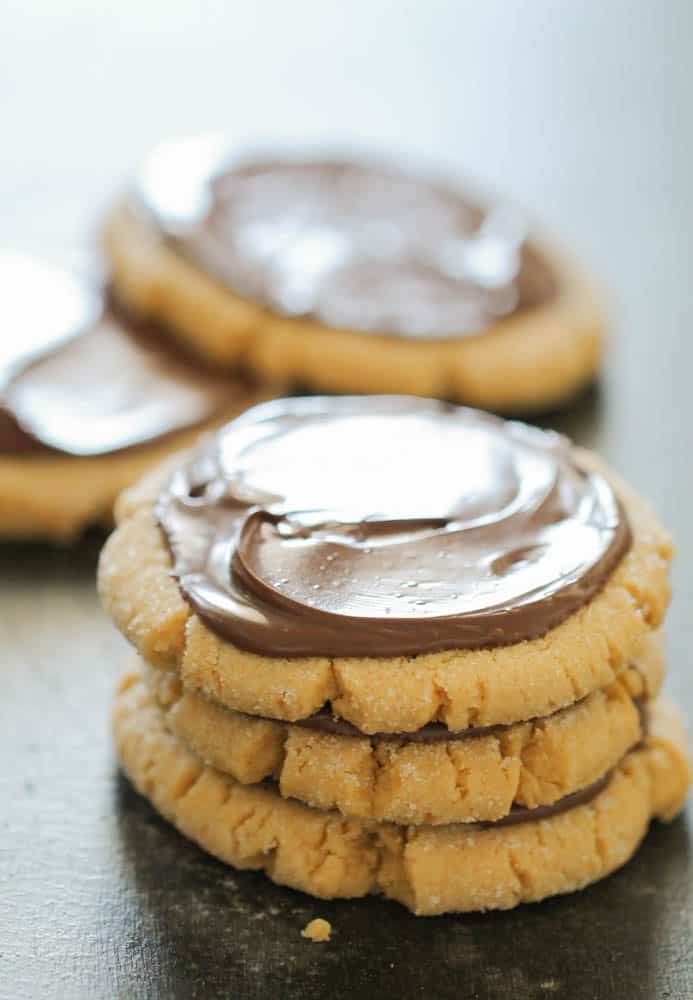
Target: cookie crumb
x,y
317,930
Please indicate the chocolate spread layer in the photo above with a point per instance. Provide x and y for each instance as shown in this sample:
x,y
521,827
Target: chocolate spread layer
x,y
433,732
521,814
386,526
82,379
355,246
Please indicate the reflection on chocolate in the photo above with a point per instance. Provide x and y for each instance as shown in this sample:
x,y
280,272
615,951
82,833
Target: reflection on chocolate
x,y
353,246
386,526
41,306
99,383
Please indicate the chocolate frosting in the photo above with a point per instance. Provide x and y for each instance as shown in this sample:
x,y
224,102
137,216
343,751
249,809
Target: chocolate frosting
x,y
386,526
83,380
354,246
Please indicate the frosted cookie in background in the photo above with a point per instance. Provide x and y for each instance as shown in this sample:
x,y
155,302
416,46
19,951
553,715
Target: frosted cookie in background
x,y
89,400
352,276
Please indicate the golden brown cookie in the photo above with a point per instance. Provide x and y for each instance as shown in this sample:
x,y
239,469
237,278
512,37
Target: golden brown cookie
x,y
352,278
89,400
432,780
458,687
431,870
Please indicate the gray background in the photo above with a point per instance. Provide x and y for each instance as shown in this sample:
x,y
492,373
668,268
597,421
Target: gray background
x,y
583,113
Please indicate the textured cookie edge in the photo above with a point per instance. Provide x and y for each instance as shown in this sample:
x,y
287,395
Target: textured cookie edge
x,y
430,870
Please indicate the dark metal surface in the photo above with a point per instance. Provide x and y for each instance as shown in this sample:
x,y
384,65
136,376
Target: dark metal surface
x,y
582,111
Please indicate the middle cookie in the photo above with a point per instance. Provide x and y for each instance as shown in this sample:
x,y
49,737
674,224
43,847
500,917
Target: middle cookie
x,y
429,777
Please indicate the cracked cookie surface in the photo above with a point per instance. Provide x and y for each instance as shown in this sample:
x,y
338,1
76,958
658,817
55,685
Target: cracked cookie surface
x,y
477,778
430,870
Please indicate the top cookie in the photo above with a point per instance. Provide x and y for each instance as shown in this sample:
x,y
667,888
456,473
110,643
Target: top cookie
x,y
416,286
405,560
387,526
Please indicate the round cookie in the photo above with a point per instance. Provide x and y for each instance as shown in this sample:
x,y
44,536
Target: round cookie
x,y
538,577
431,780
431,870
352,277
89,400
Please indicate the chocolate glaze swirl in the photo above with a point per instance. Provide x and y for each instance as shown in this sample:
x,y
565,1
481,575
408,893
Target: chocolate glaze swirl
x,y
84,380
386,526
354,246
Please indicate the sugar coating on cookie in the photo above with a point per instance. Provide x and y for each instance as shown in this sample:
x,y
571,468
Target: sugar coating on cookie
x,y
420,287
412,781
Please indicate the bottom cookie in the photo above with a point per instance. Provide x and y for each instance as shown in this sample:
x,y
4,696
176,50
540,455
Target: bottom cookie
x,y
431,870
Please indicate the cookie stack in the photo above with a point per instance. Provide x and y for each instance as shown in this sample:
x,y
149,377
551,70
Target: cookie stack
x,y
392,645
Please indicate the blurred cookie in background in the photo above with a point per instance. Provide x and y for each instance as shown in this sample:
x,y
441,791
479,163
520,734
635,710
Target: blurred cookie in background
x,y
347,276
89,399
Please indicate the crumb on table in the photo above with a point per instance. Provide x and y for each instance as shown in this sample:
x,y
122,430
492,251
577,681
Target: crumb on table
x,y
317,930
